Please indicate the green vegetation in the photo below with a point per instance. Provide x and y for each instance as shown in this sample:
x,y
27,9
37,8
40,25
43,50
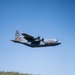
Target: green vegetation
x,y
12,73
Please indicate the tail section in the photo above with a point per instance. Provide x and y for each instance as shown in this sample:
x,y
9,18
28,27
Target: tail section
x,y
17,36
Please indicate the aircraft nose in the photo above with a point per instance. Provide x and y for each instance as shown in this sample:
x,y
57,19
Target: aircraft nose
x,y
59,42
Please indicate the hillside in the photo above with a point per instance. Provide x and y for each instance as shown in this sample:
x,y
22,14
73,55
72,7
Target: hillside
x,y
12,73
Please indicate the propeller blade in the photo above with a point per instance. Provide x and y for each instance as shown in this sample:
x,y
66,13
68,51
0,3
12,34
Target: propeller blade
x,y
38,37
42,39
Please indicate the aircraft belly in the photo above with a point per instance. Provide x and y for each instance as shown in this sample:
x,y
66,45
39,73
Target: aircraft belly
x,y
38,45
41,44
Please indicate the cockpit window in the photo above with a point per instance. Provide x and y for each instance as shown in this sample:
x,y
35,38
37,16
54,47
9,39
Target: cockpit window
x,y
56,40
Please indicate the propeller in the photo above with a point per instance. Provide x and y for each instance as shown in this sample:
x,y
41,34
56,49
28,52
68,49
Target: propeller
x,y
38,37
42,39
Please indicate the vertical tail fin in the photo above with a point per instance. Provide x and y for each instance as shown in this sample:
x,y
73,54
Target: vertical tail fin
x,y
17,36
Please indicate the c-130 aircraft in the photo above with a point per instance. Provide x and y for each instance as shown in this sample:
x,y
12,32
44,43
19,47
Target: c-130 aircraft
x,y
31,41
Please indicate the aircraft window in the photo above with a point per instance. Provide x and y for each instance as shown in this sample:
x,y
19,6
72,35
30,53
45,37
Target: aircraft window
x,y
56,40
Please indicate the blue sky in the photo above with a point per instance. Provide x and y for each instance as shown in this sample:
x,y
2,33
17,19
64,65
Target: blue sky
x,y
46,18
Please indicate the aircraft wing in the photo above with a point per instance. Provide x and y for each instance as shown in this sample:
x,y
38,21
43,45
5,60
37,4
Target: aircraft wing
x,y
28,37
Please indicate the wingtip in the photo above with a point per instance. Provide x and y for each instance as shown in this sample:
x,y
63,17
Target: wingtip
x,y
23,33
11,40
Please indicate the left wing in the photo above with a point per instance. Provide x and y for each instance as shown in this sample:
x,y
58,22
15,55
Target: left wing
x,y
28,37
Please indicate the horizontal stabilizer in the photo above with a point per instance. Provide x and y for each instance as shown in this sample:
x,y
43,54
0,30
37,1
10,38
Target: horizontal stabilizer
x,y
15,41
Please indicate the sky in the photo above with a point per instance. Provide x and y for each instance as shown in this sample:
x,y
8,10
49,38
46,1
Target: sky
x,y
44,18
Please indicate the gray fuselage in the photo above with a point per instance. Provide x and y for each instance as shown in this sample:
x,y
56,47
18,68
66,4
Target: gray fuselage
x,y
45,43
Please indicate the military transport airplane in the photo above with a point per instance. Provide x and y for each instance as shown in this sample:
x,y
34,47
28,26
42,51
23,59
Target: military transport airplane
x,y
34,41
